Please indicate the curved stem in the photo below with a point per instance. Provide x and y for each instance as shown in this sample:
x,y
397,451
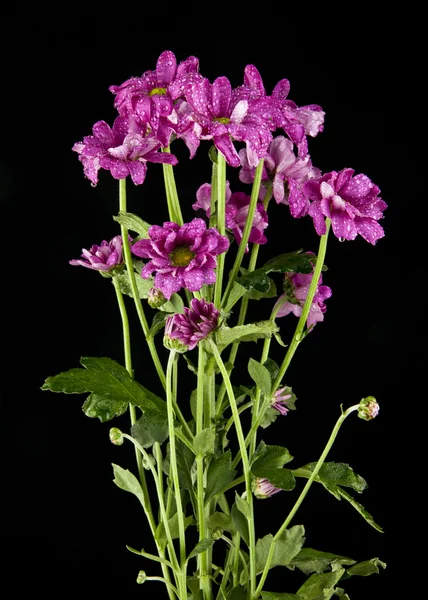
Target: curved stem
x,y
297,338
133,283
245,464
303,494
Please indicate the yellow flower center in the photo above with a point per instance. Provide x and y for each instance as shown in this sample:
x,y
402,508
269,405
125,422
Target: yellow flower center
x,y
181,256
157,92
224,120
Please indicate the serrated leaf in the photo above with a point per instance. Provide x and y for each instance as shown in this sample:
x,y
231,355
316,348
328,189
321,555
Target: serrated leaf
x,y
151,427
143,285
219,520
133,223
125,480
320,586
309,561
203,442
279,478
200,547
103,408
235,294
261,376
174,305
287,547
338,474
269,416
292,262
245,333
270,457
109,382
243,506
219,475
367,567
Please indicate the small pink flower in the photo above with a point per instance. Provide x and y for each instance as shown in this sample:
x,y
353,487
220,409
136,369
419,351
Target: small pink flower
x,y
194,325
105,257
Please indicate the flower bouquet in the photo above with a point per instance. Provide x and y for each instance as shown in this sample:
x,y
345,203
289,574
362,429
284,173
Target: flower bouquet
x,y
203,458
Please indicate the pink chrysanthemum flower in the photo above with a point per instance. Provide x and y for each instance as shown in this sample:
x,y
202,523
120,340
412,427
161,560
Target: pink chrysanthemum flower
x,y
105,257
279,400
287,173
237,205
120,149
181,256
296,287
263,488
351,202
194,325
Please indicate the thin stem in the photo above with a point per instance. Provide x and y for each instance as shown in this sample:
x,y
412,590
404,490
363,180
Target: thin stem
x,y
297,338
167,583
247,230
221,223
174,469
133,283
303,494
171,192
245,464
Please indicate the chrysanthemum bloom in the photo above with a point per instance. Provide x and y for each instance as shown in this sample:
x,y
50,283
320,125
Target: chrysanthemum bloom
x,y
296,287
262,488
120,149
181,256
287,173
149,99
105,257
279,400
351,202
368,408
237,205
194,325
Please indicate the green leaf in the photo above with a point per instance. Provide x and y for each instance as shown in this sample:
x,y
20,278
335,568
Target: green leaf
x,y
261,376
270,457
235,294
143,285
185,462
158,323
237,593
341,594
292,262
219,475
243,506
173,527
287,547
367,567
110,382
245,333
268,285
240,523
203,442
174,305
315,561
320,586
334,474
200,547
151,427
269,416
280,478
133,223
359,508
125,480
278,596
219,520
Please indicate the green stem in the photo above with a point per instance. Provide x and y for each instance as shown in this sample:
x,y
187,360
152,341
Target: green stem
x,y
167,583
221,223
204,581
247,230
174,471
245,464
303,494
133,283
297,338
174,208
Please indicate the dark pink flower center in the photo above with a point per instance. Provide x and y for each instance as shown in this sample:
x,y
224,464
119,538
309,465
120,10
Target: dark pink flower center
x,y
181,256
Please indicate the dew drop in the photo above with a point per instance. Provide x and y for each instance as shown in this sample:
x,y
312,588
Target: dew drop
x,y
341,239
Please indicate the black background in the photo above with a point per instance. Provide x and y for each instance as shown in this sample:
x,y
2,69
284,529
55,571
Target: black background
x,y
65,523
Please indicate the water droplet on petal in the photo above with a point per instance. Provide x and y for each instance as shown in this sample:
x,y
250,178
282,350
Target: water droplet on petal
x,y
341,239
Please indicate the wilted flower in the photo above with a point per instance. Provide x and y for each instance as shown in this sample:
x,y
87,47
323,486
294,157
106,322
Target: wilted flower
x,y
279,400
296,287
262,488
105,257
351,202
181,256
194,325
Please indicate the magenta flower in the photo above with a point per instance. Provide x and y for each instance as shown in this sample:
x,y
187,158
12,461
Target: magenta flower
x,y
181,257
237,205
297,288
287,173
280,398
105,257
351,202
194,325
263,488
121,149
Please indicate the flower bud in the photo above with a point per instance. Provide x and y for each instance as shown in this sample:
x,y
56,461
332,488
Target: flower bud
x,y
141,577
116,436
216,533
156,298
262,488
368,408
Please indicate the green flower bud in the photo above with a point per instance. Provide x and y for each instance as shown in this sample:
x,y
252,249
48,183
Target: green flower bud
x,y
141,577
216,533
116,436
155,298
368,408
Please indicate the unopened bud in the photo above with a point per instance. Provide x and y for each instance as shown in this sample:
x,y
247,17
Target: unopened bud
x,y
368,408
141,577
155,298
116,436
174,344
216,533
